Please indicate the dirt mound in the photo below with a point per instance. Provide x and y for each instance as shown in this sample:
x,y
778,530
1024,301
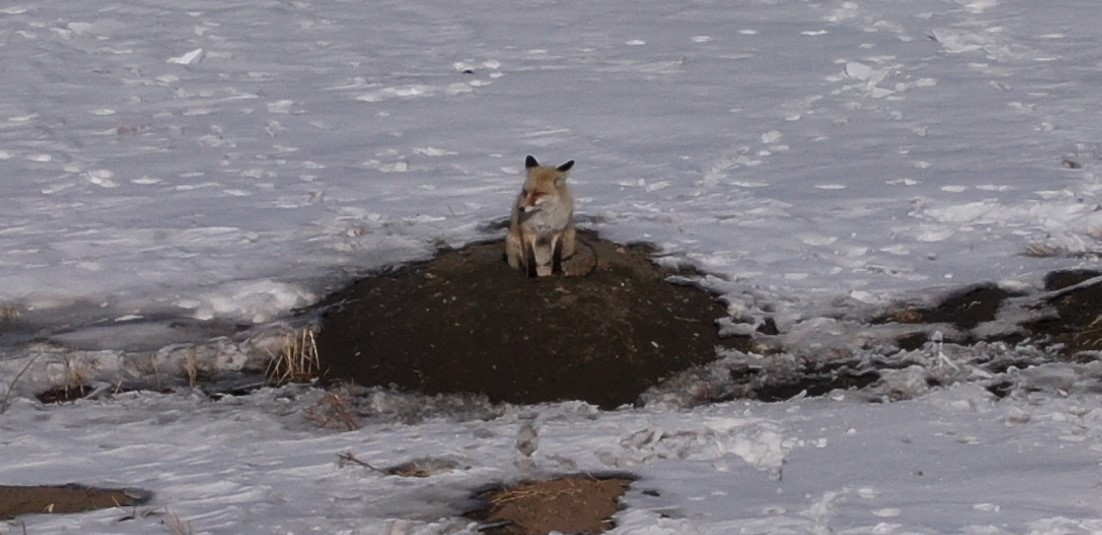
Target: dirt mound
x,y
568,504
57,499
465,322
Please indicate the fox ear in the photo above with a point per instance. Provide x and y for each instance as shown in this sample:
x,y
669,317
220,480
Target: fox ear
x,y
530,162
566,166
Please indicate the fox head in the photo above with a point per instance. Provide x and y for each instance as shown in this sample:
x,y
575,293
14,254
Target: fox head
x,y
543,184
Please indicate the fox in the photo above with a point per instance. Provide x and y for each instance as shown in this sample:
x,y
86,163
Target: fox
x,y
541,229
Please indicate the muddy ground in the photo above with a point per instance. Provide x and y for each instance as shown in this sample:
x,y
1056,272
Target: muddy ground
x,y
58,499
576,503
467,323
464,322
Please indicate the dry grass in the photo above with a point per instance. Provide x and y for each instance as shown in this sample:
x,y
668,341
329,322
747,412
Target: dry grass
x,y
346,458
8,313
73,386
420,467
1043,250
334,411
1090,337
176,525
536,492
74,374
905,315
156,372
570,504
191,366
5,403
297,360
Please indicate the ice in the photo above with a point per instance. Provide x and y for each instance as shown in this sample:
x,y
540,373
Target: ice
x,y
858,70
188,58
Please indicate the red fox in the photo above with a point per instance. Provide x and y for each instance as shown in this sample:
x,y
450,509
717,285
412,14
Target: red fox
x,y
541,231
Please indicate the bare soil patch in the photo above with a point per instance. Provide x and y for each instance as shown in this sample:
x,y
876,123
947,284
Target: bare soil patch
x,y
58,499
1069,310
1077,324
64,393
465,322
568,504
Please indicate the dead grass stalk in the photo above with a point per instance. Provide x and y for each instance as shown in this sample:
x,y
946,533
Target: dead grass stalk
x,y
334,411
177,525
5,403
297,360
191,366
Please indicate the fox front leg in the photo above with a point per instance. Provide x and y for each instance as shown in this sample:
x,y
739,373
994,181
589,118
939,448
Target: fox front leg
x,y
530,260
556,255
514,251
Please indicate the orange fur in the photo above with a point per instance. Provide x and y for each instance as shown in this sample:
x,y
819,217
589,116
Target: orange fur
x,y
541,229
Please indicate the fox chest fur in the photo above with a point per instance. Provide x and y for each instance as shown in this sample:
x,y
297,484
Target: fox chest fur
x,y
541,229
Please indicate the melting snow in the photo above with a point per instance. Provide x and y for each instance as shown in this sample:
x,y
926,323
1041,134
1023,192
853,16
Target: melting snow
x,y
185,167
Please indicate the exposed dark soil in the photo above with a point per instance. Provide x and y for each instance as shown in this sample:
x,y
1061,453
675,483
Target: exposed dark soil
x,y
809,380
56,499
64,393
963,309
465,322
1070,313
71,392
568,504
1077,324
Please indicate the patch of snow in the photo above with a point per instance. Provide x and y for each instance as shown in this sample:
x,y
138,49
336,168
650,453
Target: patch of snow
x,y
183,170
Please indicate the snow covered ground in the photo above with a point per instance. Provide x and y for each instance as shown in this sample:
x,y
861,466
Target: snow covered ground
x,y
172,169
952,462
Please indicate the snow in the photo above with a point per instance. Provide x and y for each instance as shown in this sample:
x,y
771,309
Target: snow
x,y
175,170
953,461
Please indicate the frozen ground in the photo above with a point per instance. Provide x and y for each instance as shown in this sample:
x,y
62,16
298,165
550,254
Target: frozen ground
x,y
954,461
172,169
225,162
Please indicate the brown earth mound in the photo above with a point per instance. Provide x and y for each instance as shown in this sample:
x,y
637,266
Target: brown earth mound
x,y
569,504
15,501
465,322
